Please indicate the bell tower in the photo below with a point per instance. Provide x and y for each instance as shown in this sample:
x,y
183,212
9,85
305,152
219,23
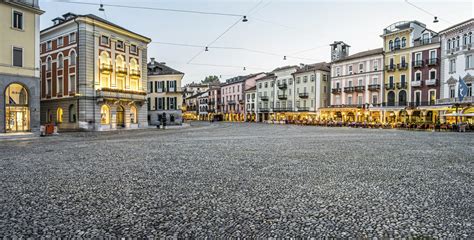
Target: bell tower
x,y
339,50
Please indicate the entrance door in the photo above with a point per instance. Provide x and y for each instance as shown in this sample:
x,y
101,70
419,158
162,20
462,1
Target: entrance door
x,y
17,114
120,117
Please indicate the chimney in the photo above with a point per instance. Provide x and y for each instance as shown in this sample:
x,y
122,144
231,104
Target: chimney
x,y
57,21
162,63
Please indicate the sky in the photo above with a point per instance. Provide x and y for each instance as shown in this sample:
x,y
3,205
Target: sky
x,y
299,29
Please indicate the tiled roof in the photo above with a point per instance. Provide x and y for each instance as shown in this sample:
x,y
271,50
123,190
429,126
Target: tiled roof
x,y
254,88
157,68
323,66
362,54
284,67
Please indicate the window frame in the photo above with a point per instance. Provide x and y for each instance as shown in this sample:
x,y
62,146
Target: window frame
x,y
22,28
71,38
22,56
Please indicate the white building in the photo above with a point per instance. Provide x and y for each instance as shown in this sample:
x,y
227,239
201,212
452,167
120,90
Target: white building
x,y
457,53
265,97
203,106
311,87
284,89
251,104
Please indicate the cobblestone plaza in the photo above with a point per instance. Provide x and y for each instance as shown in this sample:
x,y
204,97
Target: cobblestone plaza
x,y
239,180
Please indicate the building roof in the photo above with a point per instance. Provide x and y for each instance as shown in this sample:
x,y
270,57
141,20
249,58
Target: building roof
x,y
455,25
284,68
361,54
68,17
254,88
160,68
402,25
239,79
196,95
269,76
323,66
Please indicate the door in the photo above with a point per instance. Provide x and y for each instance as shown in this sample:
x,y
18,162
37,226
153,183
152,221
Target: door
x,y
120,117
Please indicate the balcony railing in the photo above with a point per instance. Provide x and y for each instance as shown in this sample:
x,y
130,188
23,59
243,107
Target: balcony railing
x,y
231,102
29,3
106,68
360,88
402,66
390,68
349,89
121,71
455,100
304,95
433,61
264,109
264,98
431,82
416,83
418,63
374,87
401,85
336,90
303,109
282,96
135,73
282,109
121,94
282,86
390,86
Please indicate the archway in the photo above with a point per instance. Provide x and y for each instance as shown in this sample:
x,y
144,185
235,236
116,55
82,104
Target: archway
x,y
17,110
120,116
402,98
391,98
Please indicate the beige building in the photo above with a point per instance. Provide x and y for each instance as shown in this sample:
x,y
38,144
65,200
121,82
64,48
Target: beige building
x,y
164,93
19,66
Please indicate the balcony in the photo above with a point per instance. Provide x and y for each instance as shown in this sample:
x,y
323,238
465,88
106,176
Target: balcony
x,y
433,61
135,73
396,47
390,68
303,109
121,94
282,86
264,98
105,68
455,100
231,102
336,91
303,95
416,83
401,85
360,88
282,109
282,96
402,66
121,71
418,63
431,82
374,87
390,87
264,109
29,3
349,89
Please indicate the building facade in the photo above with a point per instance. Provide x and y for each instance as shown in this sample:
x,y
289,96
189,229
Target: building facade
x,y
93,75
214,102
356,82
251,104
19,66
203,107
311,90
265,97
233,98
284,91
457,62
165,96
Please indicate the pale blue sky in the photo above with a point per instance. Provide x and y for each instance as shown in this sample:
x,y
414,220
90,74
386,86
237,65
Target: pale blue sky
x,y
283,27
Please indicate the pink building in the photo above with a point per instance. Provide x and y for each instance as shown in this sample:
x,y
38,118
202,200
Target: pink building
x,y
232,95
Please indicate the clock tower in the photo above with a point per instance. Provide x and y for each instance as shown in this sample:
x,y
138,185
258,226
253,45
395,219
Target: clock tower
x,y
339,50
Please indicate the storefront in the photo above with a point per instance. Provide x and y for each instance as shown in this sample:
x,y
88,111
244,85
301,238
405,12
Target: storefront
x,y
17,110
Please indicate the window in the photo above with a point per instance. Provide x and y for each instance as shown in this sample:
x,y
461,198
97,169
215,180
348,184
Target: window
x,y
361,67
313,78
104,40
60,61
432,97
133,114
104,114
452,66
350,83
338,71
72,37
402,79
60,41
403,60
452,91
360,82
298,80
119,44
469,63
390,45
374,99
359,100
417,57
72,83
17,57
48,63
376,65
49,45
59,115
404,42
390,81
448,45
17,20
349,100
133,48
433,74
60,85
375,80
48,87
72,113
259,85
417,98
469,89
305,79
397,43
350,69
72,58
418,76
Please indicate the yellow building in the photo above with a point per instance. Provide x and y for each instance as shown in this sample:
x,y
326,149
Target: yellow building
x,y
398,41
19,66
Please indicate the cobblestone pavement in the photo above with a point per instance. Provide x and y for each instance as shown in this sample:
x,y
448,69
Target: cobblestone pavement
x,y
239,180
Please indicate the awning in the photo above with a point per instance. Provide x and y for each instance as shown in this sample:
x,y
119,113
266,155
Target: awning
x,y
458,115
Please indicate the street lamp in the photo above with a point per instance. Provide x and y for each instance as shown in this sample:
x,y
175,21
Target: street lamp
x,y
101,8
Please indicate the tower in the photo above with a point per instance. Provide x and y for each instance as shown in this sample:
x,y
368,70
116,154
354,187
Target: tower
x,y
339,50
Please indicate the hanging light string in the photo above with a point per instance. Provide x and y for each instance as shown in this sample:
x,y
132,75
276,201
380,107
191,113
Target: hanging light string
x,y
154,8
426,11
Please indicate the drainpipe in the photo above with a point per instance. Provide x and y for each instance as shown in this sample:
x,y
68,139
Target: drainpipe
x,y
77,71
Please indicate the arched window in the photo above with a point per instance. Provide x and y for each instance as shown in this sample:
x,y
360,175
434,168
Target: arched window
x,y
465,39
60,61
120,71
457,41
397,43
134,74
390,44
17,111
104,114
72,113
470,37
402,98
49,63
59,115
391,98
133,114
105,70
404,42
72,57
449,44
